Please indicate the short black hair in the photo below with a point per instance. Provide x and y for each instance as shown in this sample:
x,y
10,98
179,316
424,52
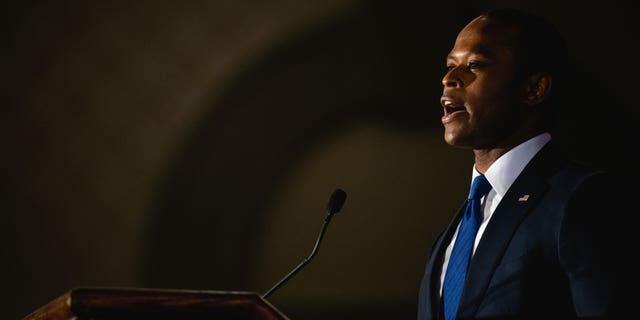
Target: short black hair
x,y
541,47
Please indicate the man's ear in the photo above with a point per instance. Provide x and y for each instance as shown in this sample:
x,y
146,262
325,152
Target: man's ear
x,y
537,88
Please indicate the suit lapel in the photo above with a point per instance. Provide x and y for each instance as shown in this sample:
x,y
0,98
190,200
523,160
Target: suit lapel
x,y
434,266
513,208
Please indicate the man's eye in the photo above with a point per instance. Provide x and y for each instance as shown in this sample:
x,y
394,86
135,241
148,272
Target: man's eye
x,y
474,65
450,67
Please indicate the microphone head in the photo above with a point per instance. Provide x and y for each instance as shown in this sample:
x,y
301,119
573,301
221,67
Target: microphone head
x,y
336,201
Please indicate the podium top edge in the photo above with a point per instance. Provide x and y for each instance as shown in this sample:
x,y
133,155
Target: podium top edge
x,y
135,290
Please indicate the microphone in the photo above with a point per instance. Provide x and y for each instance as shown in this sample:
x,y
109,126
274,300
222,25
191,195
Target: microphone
x,y
333,206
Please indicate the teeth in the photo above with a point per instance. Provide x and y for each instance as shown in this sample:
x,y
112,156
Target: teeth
x,y
448,103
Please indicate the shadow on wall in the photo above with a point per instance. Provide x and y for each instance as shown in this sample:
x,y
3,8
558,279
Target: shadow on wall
x,y
378,69
285,106
377,66
596,126
372,67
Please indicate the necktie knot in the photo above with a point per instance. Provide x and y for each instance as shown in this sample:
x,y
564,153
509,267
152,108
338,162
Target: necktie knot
x,y
479,187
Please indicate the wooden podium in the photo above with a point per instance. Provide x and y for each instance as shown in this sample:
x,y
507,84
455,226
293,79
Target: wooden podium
x,y
163,304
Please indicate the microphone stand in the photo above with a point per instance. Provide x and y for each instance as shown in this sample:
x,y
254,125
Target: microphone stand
x,y
303,263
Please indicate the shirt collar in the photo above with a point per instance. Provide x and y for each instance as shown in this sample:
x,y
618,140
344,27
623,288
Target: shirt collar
x,y
504,171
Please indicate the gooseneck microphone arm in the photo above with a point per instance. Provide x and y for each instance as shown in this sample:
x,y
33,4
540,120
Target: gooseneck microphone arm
x,y
335,204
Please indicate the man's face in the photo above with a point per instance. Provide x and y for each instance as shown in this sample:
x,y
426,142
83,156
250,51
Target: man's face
x,y
481,94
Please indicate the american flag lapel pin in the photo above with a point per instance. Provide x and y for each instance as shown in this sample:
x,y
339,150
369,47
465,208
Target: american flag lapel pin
x,y
523,198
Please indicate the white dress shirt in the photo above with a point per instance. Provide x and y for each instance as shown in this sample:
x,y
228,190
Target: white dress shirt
x,y
501,175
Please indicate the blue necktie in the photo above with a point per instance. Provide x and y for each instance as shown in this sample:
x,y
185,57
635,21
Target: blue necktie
x,y
461,253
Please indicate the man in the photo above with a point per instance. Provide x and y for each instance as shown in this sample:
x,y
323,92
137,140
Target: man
x,y
542,241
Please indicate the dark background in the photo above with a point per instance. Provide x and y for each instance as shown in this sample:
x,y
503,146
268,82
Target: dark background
x,y
194,144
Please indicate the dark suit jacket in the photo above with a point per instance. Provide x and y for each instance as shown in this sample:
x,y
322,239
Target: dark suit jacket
x,y
555,248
